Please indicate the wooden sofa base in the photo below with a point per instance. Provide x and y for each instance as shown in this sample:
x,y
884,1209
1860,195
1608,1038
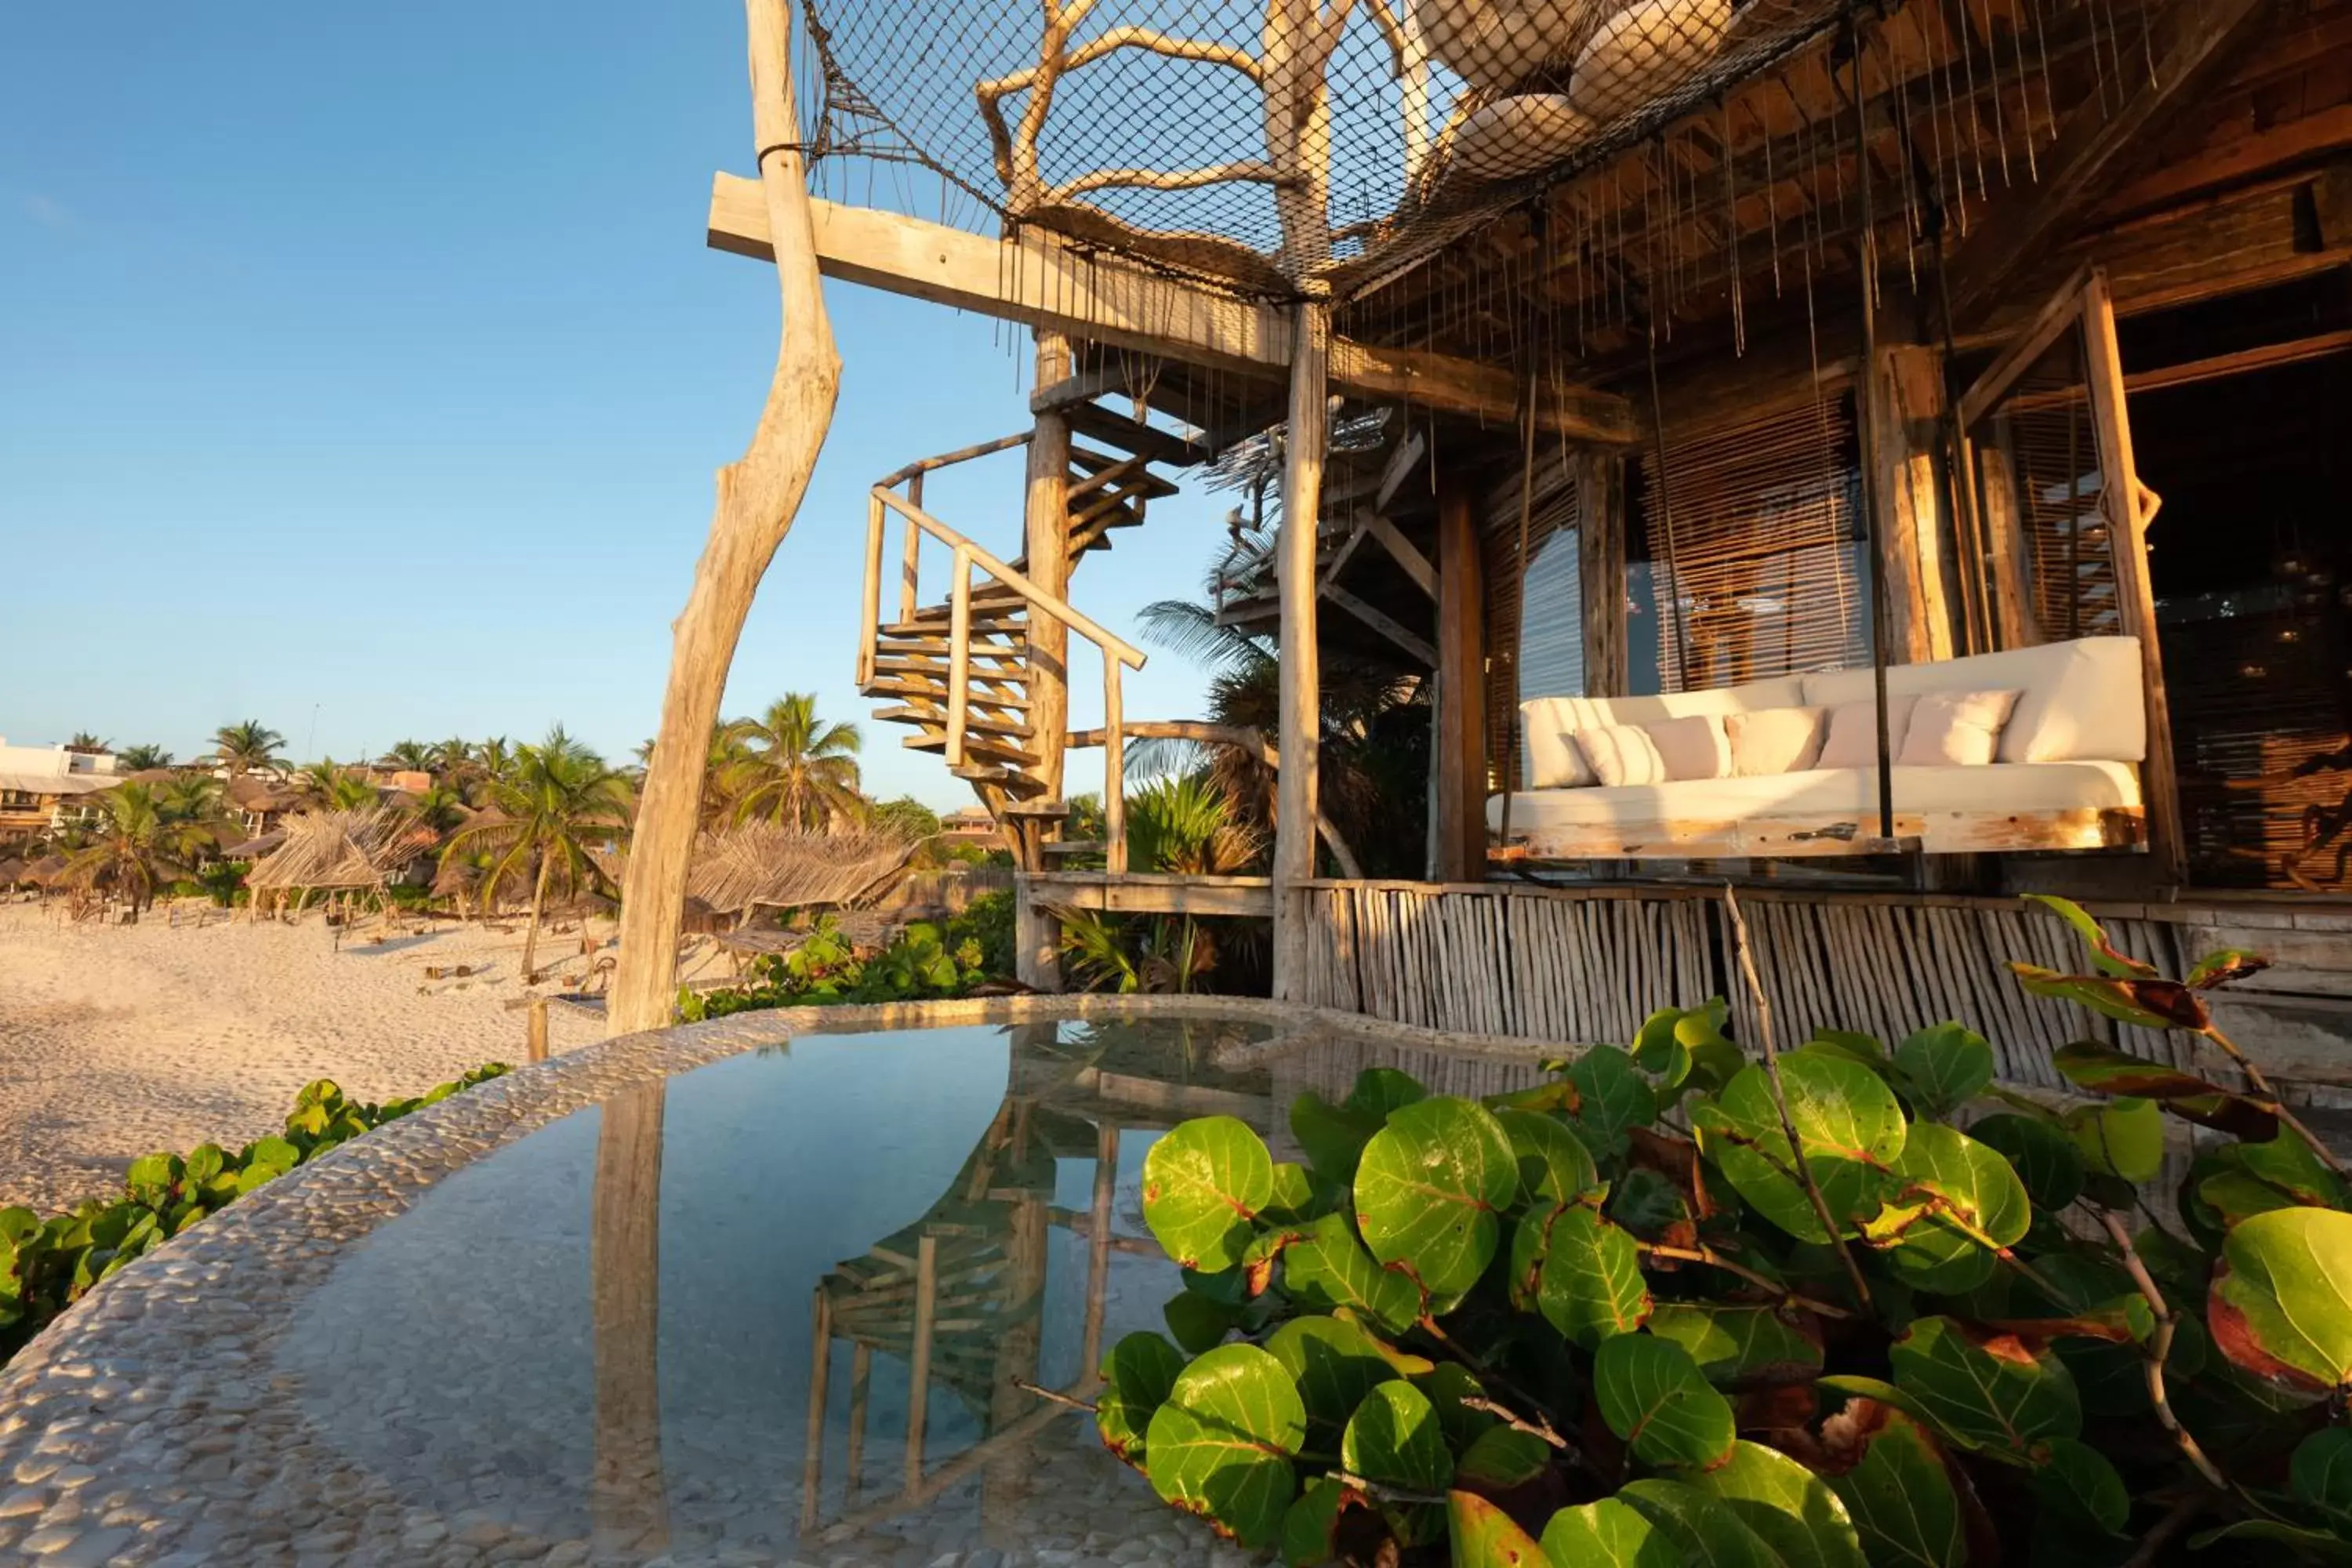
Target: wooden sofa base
x,y
1926,832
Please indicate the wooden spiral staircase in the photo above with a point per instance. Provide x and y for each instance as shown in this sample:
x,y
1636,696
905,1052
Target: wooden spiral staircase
x,y
959,671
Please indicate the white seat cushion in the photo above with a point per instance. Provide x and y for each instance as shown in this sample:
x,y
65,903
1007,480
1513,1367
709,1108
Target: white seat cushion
x,y
2082,701
1831,792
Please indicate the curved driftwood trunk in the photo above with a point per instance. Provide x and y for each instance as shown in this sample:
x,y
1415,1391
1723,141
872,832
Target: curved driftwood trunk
x,y
757,497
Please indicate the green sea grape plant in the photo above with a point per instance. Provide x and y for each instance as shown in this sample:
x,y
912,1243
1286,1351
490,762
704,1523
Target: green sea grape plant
x,y
46,1265
1687,1302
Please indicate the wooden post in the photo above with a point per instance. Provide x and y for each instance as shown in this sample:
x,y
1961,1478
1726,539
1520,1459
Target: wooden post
x,y
628,1499
1301,699
535,1038
758,498
918,1360
2128,509
1461,739
853,1464
1909,388
1114,768
1045,532
1098,1220
819,1396
1601,561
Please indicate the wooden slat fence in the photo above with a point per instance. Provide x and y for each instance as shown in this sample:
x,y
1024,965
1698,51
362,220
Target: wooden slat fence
x,y
1587,965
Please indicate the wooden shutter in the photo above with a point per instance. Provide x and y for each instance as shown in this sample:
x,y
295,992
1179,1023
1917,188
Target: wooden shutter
x,y
1535,618
1755,560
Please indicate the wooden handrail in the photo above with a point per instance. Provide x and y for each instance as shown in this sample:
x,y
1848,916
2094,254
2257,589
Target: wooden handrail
x,y
898,477
1059,609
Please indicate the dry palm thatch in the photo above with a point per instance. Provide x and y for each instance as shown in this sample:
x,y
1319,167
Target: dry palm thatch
x,y
757,865
44,871
339,850
12,871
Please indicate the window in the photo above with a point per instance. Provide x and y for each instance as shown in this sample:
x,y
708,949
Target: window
x,y
1535,623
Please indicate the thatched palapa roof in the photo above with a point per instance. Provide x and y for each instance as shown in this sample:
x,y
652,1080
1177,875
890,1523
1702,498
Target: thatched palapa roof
x,y
340,849
761,865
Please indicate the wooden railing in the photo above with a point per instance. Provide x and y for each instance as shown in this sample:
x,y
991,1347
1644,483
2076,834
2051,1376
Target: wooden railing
x,y
969,557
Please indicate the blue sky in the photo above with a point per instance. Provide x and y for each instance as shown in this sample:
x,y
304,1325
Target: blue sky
x,y
369,359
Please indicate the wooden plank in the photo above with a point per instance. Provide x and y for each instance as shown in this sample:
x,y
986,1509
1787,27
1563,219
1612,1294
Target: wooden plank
x,y
1138,893
1040,282
1402,465
1392,539
2243,158
1935,833
2191,41
2127,503
1461,737
1383,624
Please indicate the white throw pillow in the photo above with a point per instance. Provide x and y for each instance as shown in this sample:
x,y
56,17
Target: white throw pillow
x,y
1692,748
1548,725
1852,741
1621,755
1956,729
1774,741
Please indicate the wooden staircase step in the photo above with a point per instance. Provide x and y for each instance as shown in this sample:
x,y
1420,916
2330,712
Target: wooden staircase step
x,y
1039,808
1020,788
971,720
1092,419
927,647
936,692
937,667
925,625
977,748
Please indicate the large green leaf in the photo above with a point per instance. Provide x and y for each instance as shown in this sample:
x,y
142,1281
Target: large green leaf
x,y
1945,1067
1380,1090
1740,1346
1998,1394
2143,1003
1137,1375
1846,1118
1555,1169
2044,1157
1606,1534
2321,1475
1592,1285
1651,1394
1448,1383
1486,1537
1898,1493
2076,1484
1393,1438
2122,1138
1502,1458
1203,1183
1334,1364
1430,1189
2286,1162
1946,1184
1310,1526
1199,1323
1613,1095
2280,1305
1222,1444
2103,954
1703,1530
2307,1545
1790,1507
2101,1069
1333,1135
1331,1269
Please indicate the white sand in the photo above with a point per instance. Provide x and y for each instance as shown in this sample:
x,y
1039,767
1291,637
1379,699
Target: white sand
x,y
116,1041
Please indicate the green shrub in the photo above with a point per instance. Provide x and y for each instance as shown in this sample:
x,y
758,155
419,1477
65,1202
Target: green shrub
x,y
917,965
47,1265
1674,1305
987,921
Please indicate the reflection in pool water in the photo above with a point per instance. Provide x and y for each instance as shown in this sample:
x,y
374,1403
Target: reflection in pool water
x,y
779,1308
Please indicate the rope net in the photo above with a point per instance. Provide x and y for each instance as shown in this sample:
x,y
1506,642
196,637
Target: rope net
x,y
1273,146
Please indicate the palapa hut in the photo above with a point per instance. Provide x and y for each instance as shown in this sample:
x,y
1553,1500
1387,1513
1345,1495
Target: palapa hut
x,y
740,871
337,852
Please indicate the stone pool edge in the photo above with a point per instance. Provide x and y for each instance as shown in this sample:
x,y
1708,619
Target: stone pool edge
x,y
121,1432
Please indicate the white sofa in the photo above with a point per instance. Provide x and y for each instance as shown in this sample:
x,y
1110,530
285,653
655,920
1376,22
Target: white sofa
x,y
2066,774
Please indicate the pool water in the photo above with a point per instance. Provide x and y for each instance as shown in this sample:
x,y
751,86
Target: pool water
x,y
605,1337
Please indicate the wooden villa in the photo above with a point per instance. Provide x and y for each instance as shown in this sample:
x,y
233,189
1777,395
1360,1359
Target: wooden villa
x,y
1889,456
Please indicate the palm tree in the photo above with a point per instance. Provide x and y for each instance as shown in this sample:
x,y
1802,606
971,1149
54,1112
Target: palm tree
x,y
793,768
141,759
194,806
245,748
439,808
412,756
329,785
84,741
127,852
558,801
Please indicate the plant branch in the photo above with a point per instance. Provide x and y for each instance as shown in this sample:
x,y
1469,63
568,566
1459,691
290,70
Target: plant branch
x,y
1780,1097
2175,1520
2260,1085
2154,1352
1714,1260
1539,1428
1354,1483
1053,1395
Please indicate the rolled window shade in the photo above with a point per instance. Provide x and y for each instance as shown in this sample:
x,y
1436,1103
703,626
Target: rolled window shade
x,y
1763,574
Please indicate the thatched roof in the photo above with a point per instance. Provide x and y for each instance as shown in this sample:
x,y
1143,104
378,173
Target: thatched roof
x,y
255,849
340,849
44,871
12,870
760,865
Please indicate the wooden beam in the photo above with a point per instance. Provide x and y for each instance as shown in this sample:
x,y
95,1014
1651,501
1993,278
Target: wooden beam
x,y
1038,281
2190,41
1392,539
1400,467
1300,710
1138,893
1045,538
1384,625
2239,161
1461,738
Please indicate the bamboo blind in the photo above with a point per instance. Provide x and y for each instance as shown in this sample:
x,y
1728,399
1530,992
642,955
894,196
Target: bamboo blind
x,y
2045,430
1535,619
1755,563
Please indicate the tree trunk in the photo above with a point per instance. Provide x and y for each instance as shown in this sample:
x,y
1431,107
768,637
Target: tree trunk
x,y
758,498
629,1510
538,902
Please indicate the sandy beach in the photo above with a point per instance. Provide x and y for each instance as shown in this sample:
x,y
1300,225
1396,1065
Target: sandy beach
x,y
116,1041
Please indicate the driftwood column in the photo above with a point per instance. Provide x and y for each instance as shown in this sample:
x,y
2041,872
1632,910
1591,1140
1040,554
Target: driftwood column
x,y
757,497
1460,743
1046,534
1301,697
